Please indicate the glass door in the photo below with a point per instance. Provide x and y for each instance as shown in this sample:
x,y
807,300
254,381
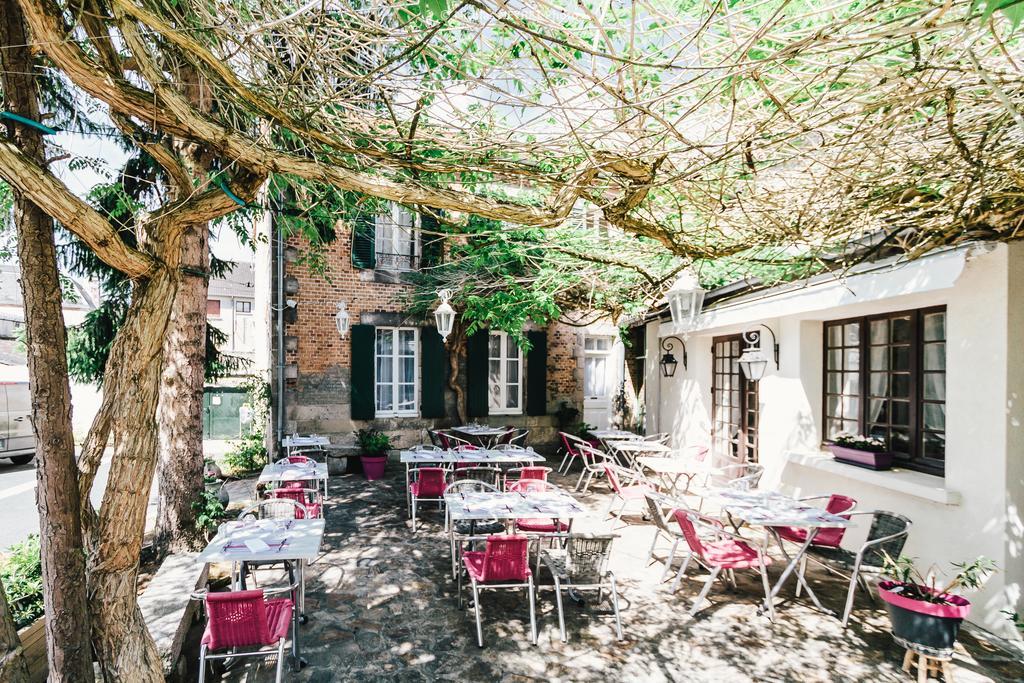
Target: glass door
x,y
734,403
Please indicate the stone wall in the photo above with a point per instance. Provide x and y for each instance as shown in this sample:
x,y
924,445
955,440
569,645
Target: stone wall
x,y
317,389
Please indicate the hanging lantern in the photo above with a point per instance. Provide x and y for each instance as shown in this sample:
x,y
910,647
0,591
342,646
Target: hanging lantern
x,y
341,318
754,361
685,300
444,314
668,359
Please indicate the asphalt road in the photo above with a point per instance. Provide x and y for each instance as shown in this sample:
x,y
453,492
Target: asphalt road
x,y
18,514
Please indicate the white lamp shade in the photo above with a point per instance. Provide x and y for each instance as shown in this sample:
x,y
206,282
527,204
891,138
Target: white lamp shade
x,y
444,316
685,300
753,363
342,319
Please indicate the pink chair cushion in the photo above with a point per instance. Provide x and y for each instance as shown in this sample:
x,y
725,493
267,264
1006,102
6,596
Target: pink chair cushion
x,y
731,554
503,560
635,492
828,538
235,619
541,526
429,483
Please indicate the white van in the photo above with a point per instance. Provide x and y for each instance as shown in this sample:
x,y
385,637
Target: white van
x,y
17,440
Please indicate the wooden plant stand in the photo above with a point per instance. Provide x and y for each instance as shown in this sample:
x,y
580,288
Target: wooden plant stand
x,y
928,664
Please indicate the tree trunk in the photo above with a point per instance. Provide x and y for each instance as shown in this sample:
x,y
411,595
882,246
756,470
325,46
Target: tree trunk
x,y
13,668
180,413
63,560
123,645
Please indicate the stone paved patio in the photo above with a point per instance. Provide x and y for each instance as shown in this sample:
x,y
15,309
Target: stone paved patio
x,y
382,607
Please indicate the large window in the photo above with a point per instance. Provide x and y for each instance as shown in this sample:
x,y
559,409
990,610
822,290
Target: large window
x,y
597,353
885,376
395,371
504,373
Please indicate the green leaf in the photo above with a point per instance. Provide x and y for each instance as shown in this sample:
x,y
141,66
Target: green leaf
x,y
438,9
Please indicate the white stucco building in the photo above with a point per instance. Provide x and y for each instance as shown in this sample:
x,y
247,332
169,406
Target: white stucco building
x,y
928,354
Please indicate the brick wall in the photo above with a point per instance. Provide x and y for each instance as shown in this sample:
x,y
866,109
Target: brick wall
x,y
317,398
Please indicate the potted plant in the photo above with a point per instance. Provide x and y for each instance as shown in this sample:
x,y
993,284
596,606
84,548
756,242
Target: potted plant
x,y
920,612
862,451
373,446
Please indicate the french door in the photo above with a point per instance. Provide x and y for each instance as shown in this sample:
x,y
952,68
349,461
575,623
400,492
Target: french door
x,y
733,401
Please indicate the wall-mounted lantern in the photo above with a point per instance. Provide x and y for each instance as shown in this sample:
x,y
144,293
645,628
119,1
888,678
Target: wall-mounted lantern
x,y
685,300
342,319
444,314
668,361
754,360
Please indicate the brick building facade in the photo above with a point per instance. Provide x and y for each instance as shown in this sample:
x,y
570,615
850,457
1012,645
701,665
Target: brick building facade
x,y
318,363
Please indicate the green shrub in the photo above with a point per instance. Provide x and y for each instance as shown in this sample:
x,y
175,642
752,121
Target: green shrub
x,y
246,455
373,442
22,574
209,510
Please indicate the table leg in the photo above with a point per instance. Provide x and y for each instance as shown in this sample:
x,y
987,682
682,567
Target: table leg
x,y
297,661
791,567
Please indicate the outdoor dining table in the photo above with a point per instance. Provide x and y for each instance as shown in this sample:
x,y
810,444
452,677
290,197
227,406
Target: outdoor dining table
x,y
771,509
282,470
606,434
627,451
671,469
294,542
482,435
482,456
296,441
512,505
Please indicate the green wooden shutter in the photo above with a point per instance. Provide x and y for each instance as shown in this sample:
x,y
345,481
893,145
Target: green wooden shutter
x,y
431,245
364,251
434,373
537,374
476,374
361,381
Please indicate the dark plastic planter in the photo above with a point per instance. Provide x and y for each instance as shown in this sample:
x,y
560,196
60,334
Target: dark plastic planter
x,y
866,459
924,623
373,466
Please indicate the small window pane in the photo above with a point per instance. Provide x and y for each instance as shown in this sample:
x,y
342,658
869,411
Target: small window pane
x,y
879,384
385,343
512,371
835,360
835,383
407,370
384,394
878,410
879,431
851,383
935,386
901,386
406,397
512,400
851,406
851,426
935,327
879,331
899,441
901,358
384,369
834,406
935,416
935,356
879,358
852,359
934,445
834,428
851,333
494,347
900,413
510,347
494,372
835,335
901,329
406,342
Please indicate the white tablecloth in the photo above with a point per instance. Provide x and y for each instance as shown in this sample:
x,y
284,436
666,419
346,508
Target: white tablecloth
x,y
301,540
487,505
481,456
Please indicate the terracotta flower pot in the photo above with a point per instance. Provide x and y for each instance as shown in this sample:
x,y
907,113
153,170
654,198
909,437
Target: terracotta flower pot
x,y
866,459
934,626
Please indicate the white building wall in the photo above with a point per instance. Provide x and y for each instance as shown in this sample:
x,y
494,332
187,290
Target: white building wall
x,y
976,508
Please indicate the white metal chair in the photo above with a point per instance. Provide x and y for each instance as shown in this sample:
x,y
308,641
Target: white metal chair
x,y
583,565
593,461
502,564
661,509
571,444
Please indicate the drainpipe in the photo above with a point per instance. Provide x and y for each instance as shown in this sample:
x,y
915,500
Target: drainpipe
x,y
279,314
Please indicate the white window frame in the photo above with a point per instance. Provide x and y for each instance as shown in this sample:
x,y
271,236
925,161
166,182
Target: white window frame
x,y
389,228
414,411
503,374
599,353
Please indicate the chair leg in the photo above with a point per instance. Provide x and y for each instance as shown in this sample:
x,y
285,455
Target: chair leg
x,y
850,593
704,591
801,570
622,509
579,481
533,613
565,458
654,542
590,478
458,589
280,660
668,560
615,606
682,572
558,604
202,664
414,515
476,610
611,504
767,591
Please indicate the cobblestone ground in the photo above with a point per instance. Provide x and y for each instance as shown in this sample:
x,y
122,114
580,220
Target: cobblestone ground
x,y
382,607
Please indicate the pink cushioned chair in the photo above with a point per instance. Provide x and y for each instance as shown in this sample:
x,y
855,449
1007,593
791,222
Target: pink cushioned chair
x,y
572,451
427,485
502,564
627,486
825,538
311,499
724,551
245,619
